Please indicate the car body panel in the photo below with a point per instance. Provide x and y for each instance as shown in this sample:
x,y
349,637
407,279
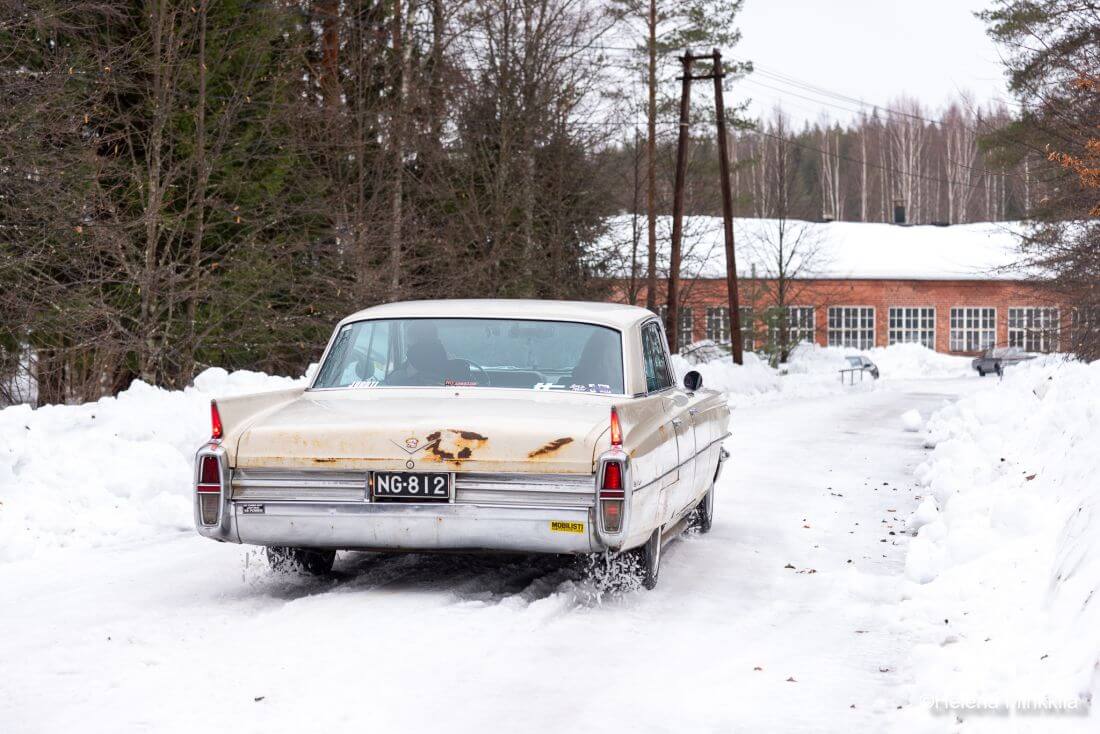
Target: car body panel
x,y
437,430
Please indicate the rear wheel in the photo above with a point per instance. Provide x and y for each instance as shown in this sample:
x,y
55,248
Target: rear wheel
x,y
704,514
301,560
651,560
981,372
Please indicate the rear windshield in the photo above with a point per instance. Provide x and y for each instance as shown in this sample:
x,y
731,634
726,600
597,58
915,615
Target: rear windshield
x,y
533,355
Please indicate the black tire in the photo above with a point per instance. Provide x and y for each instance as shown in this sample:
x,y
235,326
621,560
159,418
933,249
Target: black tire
x,y
981,372
301,560
1000,371
651,560
703,515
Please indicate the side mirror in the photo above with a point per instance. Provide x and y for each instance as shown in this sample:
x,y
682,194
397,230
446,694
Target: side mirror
x,y
693,381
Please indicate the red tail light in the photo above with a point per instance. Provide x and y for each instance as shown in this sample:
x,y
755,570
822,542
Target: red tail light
x,y
612,496
215,421
616,429
210,475
612,477
209,488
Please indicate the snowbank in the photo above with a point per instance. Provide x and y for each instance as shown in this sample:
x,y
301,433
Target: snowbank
x,y
1007,553
119,468
813,371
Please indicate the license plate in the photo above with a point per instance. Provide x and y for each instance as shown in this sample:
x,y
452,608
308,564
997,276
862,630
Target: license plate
x,y
410,487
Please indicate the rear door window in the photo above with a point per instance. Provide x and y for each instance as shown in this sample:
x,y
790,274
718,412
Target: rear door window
x,y
658,374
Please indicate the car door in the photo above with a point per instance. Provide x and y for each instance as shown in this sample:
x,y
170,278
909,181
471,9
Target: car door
x,y
659,386
682,408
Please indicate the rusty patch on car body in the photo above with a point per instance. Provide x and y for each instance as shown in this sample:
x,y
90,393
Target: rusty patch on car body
x,y
550,448
452,444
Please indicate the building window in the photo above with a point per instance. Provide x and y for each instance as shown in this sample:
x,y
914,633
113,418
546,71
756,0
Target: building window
x,y
718,326
800,321
912,326
800,326
684,333
973,329
1084,327
747,341
1033,329
852,326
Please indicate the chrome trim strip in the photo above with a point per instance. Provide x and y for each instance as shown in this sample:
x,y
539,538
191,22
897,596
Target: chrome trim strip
x,y
472,488
560,490
682,463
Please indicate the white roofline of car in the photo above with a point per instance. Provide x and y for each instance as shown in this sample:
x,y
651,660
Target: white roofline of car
x,y
615,315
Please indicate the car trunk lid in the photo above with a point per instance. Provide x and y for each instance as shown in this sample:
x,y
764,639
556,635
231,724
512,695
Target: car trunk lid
x,y
426,429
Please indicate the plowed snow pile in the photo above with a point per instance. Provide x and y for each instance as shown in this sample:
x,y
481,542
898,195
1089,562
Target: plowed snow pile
x,y
813,371
1006,563
116,469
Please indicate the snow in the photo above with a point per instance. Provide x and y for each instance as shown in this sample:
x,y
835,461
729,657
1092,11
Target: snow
x,y
984,251
912,421
119,469
814,371
854,580
1007,554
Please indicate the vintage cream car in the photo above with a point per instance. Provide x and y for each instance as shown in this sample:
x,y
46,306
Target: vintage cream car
x,y
529,426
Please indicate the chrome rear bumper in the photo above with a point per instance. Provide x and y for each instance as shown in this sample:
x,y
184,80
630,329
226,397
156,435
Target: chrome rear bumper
x,y
539,513
412,527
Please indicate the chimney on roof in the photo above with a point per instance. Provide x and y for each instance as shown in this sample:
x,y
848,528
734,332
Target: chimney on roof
x,y
899,211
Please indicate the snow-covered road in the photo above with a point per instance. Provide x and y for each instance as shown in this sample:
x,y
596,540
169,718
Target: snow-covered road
x,y
778,620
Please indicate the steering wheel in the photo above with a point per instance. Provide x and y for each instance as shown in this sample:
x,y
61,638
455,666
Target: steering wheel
x,y
475,366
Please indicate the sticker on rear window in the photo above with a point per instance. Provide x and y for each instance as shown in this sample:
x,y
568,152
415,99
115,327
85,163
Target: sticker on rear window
x,y
591,387
561,526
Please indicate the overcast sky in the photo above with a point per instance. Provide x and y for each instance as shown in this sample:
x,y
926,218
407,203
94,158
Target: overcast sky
x,y
871,50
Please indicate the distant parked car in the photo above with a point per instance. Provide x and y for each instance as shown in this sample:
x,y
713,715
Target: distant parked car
x,y
998,358
861,363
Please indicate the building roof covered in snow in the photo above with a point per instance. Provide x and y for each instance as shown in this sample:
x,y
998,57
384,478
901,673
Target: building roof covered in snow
x,y
831,250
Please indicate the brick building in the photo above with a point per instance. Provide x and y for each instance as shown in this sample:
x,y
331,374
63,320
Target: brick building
x,y
953,289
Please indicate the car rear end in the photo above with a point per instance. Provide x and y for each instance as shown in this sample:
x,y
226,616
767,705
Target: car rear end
x,y
322,508
376,470
433,427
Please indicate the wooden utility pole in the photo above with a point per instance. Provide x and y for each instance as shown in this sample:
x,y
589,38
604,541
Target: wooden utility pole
x,y
672,311
727,210
651,164
672,318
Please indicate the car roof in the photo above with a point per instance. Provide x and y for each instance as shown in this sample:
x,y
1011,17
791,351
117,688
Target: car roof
x,y
616,315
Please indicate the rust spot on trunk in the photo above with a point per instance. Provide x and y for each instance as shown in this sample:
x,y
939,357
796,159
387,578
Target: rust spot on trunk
x,y
550,448
452,444
471,436
324,461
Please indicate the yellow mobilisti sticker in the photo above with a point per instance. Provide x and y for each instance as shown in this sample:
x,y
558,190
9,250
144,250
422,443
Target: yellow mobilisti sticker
x,y
561,526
